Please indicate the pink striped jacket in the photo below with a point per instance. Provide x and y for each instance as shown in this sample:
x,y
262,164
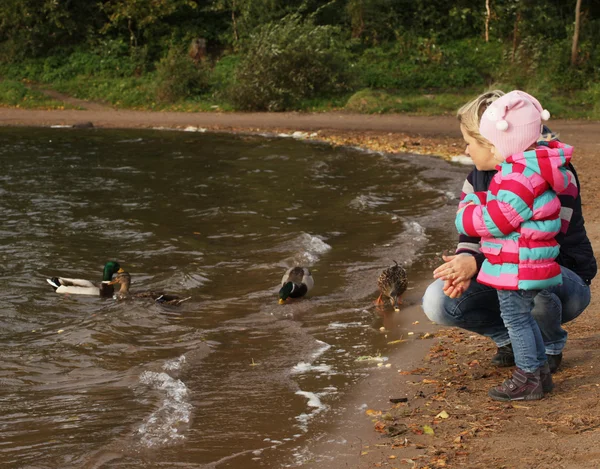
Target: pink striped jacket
x,y
518,218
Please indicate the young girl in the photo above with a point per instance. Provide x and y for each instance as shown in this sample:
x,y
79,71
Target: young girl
x,y
517,220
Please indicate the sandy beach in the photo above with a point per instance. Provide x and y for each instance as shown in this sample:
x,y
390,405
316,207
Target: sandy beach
x,y
447,419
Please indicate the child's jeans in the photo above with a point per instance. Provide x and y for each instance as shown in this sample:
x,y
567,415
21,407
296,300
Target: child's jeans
x,y
525,335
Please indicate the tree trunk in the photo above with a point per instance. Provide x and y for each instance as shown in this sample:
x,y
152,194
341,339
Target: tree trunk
x,y
516,36
487,20
576,34
234,21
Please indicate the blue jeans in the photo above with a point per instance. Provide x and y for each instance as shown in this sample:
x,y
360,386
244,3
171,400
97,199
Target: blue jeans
x,y
524,333
478,310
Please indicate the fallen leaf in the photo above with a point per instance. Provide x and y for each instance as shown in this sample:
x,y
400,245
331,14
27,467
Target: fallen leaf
x,y
371,412
380,427
517,406
442,415
428,430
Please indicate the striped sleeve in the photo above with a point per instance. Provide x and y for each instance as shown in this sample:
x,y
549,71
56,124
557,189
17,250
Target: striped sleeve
x,y
469,244
503,214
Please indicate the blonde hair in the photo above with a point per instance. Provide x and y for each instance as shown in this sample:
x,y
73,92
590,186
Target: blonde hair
x,y
470,114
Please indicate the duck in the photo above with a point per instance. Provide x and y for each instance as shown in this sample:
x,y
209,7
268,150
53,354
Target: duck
x,y
123,278
392,282
295,283
78,286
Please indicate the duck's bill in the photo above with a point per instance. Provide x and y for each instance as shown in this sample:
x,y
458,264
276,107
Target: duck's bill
x,y
120,270
281,302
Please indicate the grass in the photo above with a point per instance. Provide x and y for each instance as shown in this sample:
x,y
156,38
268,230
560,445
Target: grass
x,y
17,94
138,93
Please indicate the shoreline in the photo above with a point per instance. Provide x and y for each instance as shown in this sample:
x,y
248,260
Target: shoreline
x,y
455,374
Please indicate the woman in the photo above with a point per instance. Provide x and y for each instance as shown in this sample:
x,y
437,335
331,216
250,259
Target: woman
x,y
457,299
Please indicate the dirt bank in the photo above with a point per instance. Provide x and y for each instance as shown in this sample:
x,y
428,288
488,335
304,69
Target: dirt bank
x,y
447,421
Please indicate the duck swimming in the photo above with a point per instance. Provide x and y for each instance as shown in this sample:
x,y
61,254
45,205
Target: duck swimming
x,y
124,279
78,286
392,282
295,283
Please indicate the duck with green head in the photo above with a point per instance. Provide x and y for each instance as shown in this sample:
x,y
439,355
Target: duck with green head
x,y
295,283
392,282
76,286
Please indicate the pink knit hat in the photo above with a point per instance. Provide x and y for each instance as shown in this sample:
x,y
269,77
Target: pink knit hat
x,y
513,122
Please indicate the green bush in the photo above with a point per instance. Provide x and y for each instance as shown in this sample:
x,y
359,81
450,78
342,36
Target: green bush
x,y
287,62
417,64
178,77
222,75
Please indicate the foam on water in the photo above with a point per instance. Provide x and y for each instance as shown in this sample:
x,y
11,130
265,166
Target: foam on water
x,y
322,349
303,367
164,425
307,248
314,401
369,201
346,325
175,364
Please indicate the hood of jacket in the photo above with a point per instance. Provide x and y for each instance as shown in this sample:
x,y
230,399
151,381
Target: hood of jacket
x,y
549,160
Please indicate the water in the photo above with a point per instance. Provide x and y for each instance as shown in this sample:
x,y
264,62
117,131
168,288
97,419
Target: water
x,y
230,378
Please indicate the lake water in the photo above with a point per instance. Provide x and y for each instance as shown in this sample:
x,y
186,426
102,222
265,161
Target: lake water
x,y
230,379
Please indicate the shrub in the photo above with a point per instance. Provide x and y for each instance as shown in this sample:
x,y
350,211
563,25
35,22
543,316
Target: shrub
x,y
420,64
287,62
178,77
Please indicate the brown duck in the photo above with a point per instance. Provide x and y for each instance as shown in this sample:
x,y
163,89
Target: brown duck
x,y
124,279
392,282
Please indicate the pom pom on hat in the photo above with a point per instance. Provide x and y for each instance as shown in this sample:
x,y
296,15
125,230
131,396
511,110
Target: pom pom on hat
x,y
502,125
545,115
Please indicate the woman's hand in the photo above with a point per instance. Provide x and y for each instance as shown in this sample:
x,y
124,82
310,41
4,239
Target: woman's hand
x,y
454,291
457,272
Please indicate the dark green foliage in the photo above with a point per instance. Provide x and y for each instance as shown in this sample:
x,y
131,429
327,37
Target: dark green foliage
x,y
289,61
287,54
415,63
178,77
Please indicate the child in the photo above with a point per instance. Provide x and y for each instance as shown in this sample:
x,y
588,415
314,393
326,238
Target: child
x,y
517,220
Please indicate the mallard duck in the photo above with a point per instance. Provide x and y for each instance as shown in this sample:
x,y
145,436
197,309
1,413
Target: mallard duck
x,y
295,283
78,286
392,282
124,279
